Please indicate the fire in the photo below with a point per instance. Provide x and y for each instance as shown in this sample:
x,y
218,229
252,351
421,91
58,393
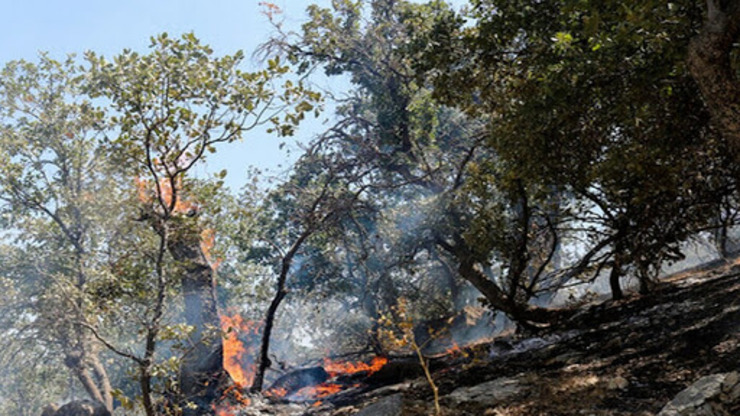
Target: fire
x,y
142,187
320,391
454,349
230,396
239,348
276,392
238,356
225,411
148,192
207,240
336,368
240,344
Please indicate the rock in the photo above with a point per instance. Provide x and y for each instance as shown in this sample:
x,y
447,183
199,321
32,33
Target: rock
x,y
388,406
49,410
489,394
567,358
714,395
295,380
618,383
82,408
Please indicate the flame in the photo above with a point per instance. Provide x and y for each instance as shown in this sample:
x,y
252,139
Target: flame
x,y
245,401
319,391
276,392
454,349
147,194
238,356
166,191
207,240
231,398
239,348
225,411
336,368
142,187
240,344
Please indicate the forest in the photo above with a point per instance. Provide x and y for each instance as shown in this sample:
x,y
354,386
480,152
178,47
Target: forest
x,y
505,162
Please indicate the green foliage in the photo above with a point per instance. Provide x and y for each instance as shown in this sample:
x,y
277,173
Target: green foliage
x,y
594,98
67,187
179,101
420,154
52,177
474,145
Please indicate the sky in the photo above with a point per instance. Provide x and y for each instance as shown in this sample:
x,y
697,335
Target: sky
x,y
28,27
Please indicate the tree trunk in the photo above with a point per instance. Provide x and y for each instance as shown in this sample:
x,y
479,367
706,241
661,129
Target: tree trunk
x,y
615,276
710,65
264,361
83,375
644,278
101,375
80,360
721,238
202,365
145,382
522,313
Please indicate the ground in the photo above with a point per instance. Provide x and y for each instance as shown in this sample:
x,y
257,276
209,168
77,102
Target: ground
x,y
629,357
614,358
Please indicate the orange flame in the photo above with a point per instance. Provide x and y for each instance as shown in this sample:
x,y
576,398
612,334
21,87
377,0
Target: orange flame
x,y
336,368
142,187
319,391
147,193
225,411
231,396
240,349
454,349
238,357
276,392
207,240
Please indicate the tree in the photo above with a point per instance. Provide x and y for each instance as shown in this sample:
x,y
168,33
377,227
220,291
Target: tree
x,y
174,105
422,151
319,194
594,98
51,173
713,67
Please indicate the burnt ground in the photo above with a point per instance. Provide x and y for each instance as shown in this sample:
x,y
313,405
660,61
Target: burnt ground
x,y
616,358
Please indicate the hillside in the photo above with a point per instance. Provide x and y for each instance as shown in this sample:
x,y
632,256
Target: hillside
x,y
614,358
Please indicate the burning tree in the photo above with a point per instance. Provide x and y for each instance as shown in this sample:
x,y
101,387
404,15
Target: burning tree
x,y
319,195
173,107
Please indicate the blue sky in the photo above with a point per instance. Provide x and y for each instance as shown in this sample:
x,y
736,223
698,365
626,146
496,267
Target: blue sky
x,y
107,27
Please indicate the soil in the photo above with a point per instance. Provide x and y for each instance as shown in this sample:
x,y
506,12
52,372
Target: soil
x,y
629,357
615,358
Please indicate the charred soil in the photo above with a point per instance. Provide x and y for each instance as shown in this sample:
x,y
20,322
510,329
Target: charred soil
x,y
629,357
614,358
